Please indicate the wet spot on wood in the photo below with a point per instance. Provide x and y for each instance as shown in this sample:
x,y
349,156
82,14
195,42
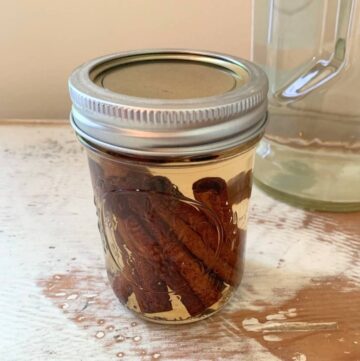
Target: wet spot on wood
x,y
318,314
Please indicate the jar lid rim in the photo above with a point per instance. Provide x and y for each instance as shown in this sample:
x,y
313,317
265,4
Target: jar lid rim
x,y
231,99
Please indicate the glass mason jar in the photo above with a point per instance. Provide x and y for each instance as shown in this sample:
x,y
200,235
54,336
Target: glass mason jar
x,y
310,49
170,137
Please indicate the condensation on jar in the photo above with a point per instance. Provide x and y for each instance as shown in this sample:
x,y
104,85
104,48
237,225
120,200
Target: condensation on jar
x,y
170,137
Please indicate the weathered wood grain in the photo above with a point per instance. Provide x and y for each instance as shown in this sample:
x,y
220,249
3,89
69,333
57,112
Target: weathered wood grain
x,y
299,300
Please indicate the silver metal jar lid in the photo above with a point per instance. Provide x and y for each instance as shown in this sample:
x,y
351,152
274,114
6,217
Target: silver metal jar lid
x,y
168,102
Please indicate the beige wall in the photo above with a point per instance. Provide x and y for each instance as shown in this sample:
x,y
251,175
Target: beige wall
x,y
41,41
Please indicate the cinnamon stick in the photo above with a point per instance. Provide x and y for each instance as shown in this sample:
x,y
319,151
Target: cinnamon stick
x,y
149,288
122,287
181,288
205,286
239,187
195,230
119,177
212,191
191,239
151,240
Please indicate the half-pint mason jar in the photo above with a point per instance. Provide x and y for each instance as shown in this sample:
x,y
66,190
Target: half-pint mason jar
x,y
170,137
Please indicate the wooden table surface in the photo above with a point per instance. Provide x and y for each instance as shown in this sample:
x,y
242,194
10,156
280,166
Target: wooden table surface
x,y
299,299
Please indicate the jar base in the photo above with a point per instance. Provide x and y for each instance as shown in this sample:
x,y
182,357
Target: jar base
x,y
308,204
210,312
312,179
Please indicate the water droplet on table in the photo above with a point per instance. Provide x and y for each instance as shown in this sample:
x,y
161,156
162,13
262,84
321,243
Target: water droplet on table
x,y
100,334
60,294
73,296
119,338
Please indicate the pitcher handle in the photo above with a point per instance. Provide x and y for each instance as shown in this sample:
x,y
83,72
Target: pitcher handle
x,y
324,69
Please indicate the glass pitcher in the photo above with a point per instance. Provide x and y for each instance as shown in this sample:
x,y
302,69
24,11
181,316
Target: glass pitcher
x,y
310,50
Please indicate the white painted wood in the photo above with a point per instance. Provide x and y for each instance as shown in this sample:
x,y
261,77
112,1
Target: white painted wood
x,y
298,298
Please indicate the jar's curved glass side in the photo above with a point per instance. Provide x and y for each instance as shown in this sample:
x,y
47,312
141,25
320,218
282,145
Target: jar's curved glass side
x,y
193,219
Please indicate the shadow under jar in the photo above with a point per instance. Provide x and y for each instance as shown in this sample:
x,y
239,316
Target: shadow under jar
x,y
170,137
